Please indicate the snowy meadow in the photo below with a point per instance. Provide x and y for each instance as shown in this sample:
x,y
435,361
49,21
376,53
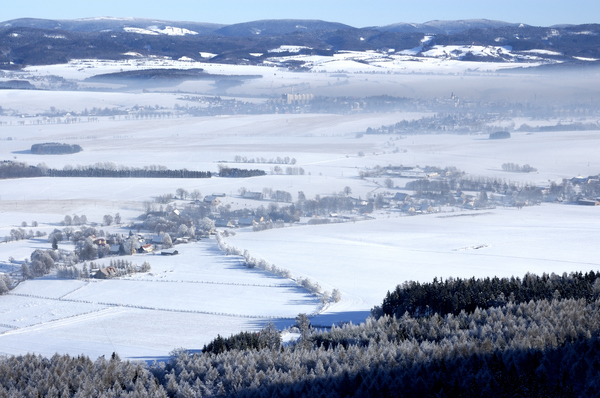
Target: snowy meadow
x,y
188,299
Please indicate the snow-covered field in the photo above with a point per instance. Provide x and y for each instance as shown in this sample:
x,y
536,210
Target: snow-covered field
x,y
183,302
186,300
366,259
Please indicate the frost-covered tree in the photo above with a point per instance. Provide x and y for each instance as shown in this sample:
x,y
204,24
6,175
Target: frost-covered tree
x,y
182,193
301,196
25,271
336,296
131,244
3,286
167,242
270,337
206,225
183,230
108,219
195,194
87,250
303,324
41,262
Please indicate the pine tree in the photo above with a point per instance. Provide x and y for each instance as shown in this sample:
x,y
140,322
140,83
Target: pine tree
x,y
269,337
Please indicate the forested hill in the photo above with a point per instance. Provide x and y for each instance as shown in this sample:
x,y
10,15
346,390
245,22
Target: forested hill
x,y
535,347
41,42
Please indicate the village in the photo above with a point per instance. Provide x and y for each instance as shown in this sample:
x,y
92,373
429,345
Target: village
x,y
173,220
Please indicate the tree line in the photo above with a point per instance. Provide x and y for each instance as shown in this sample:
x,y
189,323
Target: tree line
x,y
230,172
451,296
10,169
129,173
55,148
518,168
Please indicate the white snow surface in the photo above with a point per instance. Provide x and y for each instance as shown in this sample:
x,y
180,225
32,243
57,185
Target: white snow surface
x,y
186,300
155,30
289,48
457,52
196,293
366,259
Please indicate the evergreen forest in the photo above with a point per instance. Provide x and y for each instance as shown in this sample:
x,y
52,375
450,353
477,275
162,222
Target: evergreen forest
x,y
535,336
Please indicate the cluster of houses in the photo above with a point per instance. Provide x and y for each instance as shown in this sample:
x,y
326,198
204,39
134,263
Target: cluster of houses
x,y
150,244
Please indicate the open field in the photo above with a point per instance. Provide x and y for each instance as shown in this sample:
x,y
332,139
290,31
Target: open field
x,y
186,300
366,259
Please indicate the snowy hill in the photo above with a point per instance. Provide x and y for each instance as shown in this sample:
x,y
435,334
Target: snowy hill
x,y
108,24
273,27
45,42
446,27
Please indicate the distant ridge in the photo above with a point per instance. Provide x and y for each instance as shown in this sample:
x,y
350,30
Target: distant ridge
x,y
108,24
445,27
273,27
266,27
30,41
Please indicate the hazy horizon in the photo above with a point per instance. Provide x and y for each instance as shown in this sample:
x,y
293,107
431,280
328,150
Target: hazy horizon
x,y
354,13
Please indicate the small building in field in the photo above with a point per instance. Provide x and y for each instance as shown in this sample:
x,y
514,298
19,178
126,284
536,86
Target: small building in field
x,y
99,241
253,195
158,239
169,252
145,248
105,273
588,202
221,223
401,197
249,221
408,208
211,200
115,249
